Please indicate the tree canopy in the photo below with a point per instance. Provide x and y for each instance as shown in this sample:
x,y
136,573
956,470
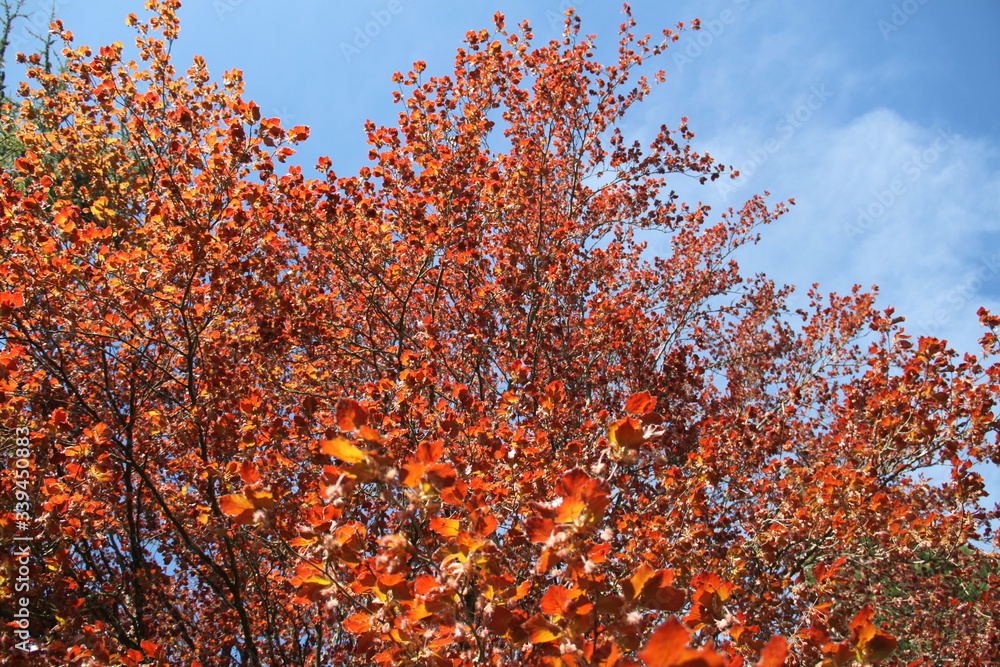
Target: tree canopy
x,y
449,410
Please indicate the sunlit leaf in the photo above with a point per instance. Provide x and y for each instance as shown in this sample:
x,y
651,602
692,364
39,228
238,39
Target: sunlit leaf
x,y
350,415
540,630
640,404
445,527
342,449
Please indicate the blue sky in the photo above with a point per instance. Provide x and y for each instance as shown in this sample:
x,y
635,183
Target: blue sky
x,y
879,117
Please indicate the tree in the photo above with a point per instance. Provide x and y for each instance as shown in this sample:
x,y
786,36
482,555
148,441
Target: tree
x,y
447,411
12,14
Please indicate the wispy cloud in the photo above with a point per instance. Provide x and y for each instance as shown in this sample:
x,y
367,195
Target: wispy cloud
x,y
936,195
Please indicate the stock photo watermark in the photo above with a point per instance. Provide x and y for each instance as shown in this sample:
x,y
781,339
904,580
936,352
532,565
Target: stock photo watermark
x,y
900,16
364,34
960,295
883,199
711,30
34,23
21,553
223,7
784,130
557,18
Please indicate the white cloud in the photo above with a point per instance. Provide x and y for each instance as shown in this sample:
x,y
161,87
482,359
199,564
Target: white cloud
x,y
882,200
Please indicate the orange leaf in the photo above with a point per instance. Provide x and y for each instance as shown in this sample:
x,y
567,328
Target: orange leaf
x,y
350,415
357,624
570,510
484,524
840,653
861,622
235,504
871,643
248,473
414,473
445,527
341,448
260,498
429,452
668,648
774,653
369,434
238,506
554,601
633,586
310,582
626,433
541,630
546,561
521,590
666,645
581,493
555,393
455,493
640,404
11,299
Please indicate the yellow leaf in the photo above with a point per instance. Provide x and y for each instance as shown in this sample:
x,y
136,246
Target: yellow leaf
x,y
633,587
626,433
235,503
99,209
342,449
445,527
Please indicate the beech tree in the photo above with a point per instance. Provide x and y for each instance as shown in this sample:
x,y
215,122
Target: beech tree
x,y
449,410
13,17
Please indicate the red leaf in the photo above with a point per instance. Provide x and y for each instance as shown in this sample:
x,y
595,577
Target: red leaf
x,y
499,621
539,529
640,404
350,415
11,299
880,646
149,648
660,595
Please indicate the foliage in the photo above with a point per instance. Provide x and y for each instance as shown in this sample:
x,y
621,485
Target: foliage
x,y
12,15
447,411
